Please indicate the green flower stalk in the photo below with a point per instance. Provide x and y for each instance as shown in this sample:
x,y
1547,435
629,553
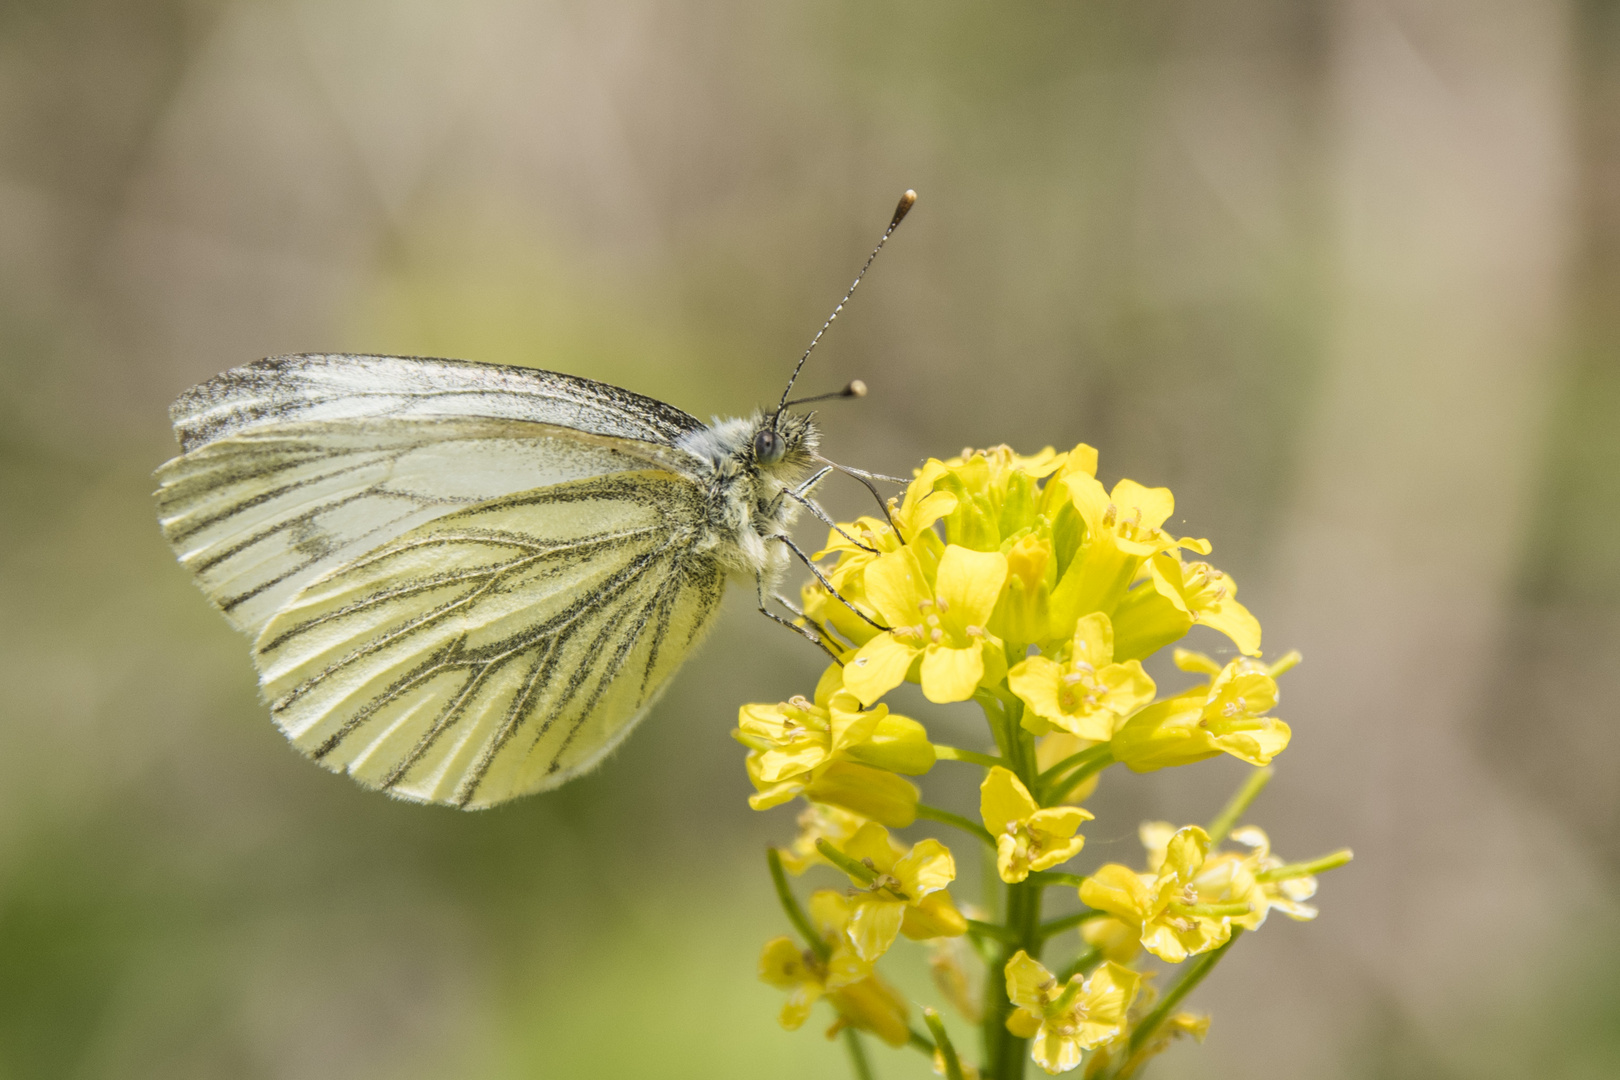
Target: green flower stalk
x,y
1025,586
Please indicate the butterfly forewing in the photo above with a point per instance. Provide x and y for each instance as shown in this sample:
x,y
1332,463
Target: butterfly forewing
x,y
500,649
259,514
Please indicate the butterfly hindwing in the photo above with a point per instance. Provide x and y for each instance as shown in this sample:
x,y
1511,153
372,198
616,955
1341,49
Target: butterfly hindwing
x,y
499,649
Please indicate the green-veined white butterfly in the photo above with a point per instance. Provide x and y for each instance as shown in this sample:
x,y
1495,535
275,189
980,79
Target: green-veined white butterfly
x,y
468,582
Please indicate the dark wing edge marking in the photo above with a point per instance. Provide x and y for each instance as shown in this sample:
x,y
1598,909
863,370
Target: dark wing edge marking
x,y
285,389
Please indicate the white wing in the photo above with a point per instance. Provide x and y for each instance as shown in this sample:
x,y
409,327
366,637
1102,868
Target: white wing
x,y
339,386
296,464
499,650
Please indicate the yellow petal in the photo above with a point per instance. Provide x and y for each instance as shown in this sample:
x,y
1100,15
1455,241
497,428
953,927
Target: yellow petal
x,y
1257,747
1054,854
1023,1023
871,841
1116,940
1004,800
1109,993
879,666
1054,1052
797,1009
1035,681
1059,821
874,925
1129,687
951,674
1027,981
782,964
1156,504
1184,855
926,868
935,916
897,743
1094,640
874,1006
848,724
1235,621
874,793
829,911
1117,890
969,583
1155,837
896,587
1011,860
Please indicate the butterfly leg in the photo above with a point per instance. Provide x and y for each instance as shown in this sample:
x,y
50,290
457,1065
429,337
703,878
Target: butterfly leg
x,y
866,479
825,584
803,631
821,515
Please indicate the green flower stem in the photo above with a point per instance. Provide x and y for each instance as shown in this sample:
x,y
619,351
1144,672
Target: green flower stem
x,y
1060,790
1229,816
1304,869
1045,878
1082,964
1077,758
996,715
921,1042
990,930
791,906
1067,922
956,753
1004,1054
1196,970
945,817
858,1064
953,1065
857,870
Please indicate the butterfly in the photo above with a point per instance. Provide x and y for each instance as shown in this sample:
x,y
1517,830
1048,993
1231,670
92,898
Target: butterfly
x,y
468,582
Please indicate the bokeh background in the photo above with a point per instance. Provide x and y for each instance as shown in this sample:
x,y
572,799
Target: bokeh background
x,y
1345,275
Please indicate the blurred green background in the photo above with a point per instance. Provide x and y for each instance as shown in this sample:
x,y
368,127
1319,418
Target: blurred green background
x,y
1344,275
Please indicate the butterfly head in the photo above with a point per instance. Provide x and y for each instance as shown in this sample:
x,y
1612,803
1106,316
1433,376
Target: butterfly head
x,y
783,444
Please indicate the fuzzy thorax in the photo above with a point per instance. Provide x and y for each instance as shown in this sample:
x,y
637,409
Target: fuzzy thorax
x,y
748,501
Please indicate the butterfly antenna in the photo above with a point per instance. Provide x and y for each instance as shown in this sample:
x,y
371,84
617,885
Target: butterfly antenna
x,y
856,388
906,202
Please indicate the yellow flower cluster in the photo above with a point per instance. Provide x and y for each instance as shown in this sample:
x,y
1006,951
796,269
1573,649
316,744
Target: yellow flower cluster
x,y
1025,585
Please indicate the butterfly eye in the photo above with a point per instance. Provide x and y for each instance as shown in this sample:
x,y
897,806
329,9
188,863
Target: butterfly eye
x,y
768,447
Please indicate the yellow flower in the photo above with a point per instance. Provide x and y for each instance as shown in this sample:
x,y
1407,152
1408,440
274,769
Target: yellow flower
x,y
939,627
819,821
996,494
874,793
1065,1021
1226,717
1023,613
861,998
1088,694
905,891
859,542
1175,915
1027,837
1168,596
1244,874
795,743
1176,1026
1123,527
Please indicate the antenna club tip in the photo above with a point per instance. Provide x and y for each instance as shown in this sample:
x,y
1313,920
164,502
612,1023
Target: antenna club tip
x,y
907,200
856,388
